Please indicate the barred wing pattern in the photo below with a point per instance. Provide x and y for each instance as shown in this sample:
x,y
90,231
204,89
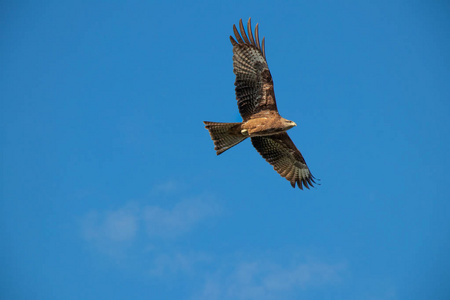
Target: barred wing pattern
x,y
286,159
254,85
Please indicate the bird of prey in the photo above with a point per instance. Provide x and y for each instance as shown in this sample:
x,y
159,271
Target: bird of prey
x,y
261,121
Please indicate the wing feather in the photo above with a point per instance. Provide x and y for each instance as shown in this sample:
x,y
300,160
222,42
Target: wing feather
x,y
244,35
238,36
250,33
254,85
291,174
279,151
285,170
263,47
233,41
257,37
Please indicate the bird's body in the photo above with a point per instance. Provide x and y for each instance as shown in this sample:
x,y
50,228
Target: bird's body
x,y
266,123
261,121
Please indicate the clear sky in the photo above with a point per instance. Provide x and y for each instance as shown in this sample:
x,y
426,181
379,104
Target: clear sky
x,y
110,187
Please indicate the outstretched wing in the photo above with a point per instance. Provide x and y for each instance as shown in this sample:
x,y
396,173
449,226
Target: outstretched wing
x,y
254,85
279,151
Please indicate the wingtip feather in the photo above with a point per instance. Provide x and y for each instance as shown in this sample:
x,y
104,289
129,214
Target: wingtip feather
x,y
263,47
257,36
238,36
243,33
250,34
247,37
233,41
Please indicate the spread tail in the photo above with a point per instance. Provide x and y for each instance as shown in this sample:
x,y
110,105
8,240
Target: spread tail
x,y
224,135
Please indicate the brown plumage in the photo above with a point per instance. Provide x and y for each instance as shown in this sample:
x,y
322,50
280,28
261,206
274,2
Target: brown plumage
x,y
261,121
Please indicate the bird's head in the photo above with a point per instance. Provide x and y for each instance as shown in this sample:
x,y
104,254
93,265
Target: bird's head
x,y
289,124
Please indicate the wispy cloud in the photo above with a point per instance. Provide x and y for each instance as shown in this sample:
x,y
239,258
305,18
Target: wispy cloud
x,y
264,279
111,231
167,187
168,264
151,237
180,219
117,226
125,224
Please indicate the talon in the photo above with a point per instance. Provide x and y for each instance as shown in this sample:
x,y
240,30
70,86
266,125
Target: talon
x,y
244,132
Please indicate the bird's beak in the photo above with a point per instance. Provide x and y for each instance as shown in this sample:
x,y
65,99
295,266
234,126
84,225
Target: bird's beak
x,y
294,124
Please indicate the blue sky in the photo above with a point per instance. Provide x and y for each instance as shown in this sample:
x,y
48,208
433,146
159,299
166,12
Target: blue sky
x,y
110,187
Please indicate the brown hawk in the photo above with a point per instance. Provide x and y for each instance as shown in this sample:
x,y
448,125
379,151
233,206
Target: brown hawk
x,y
257,106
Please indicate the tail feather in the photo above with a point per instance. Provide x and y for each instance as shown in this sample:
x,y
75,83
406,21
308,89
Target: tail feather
x,y
224,135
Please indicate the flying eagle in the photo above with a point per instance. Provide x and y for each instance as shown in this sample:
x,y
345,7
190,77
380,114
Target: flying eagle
x,y
261,121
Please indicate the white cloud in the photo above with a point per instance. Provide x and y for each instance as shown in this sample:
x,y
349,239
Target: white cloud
x,y
166,264
180,219
301,275
114,226
264,279
124,225
167,187
147,236
111,232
